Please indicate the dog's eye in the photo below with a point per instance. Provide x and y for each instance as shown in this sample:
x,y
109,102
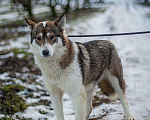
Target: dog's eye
x,y
51,37
38,38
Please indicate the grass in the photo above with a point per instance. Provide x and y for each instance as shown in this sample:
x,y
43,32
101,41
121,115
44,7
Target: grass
x,y
12,24
9,31
14,118
18,51
4,52
10,101
15,64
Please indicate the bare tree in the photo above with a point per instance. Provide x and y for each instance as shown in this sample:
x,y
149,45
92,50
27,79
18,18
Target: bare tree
x,y
146,1
26,6
52,5
87,4
67,7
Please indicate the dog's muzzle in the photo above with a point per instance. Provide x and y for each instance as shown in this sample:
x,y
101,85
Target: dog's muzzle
x,y
45,53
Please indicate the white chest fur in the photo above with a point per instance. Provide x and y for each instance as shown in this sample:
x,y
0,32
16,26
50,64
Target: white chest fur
x,y
54,74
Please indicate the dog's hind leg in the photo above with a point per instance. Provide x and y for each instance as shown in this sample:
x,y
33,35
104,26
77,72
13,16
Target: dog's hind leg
x,y
56,95
115,84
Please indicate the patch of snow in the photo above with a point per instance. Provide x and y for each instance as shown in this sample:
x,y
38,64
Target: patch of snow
x,y
36,94
38,9
45,97
10,16
6,47
2,115
20,55
25,69
31,100
7,55
4,76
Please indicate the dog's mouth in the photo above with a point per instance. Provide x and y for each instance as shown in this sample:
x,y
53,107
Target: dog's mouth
x,y
45,56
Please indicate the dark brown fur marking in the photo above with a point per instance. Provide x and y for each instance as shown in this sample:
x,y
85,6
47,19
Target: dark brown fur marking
x,y
68,56
106,87
84,61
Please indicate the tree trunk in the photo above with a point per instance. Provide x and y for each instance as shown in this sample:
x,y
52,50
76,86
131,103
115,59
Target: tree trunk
x,y
52,7
77,4
67,7
86,4
53,11
28,7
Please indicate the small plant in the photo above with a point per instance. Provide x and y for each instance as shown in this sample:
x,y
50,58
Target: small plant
x,y
14,118
41,102
42,112
18,51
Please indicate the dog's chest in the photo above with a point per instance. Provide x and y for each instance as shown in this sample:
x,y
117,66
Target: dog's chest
x,y
50,69
69,79
53,73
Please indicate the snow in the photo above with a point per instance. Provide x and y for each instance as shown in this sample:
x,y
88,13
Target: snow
x,y
9,16
4,76
7,55
120,16
38,9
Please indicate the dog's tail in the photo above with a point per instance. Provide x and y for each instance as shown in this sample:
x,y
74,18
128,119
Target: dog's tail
x,y
107,89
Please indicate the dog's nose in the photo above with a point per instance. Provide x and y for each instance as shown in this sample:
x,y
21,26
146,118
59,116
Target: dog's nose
x,y
45,53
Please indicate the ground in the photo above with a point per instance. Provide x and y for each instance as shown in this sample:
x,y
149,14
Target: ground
x,y
19,73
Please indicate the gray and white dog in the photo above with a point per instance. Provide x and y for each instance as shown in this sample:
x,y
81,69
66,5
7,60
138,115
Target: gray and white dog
x,y
76,68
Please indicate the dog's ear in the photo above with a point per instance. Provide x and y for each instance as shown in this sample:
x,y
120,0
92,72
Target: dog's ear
x,y
60,22
30,23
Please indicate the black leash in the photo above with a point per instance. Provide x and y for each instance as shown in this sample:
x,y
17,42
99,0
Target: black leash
x,y
115,34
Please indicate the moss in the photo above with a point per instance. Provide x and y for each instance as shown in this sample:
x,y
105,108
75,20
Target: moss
x,y
10,101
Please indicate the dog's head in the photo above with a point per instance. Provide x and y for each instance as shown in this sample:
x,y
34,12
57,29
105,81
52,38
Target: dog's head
x,y
45,36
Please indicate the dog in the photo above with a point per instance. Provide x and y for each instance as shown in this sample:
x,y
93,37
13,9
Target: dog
x,y
76,68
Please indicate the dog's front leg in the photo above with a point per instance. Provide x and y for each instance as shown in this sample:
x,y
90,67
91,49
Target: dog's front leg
x,y
56,95
80,105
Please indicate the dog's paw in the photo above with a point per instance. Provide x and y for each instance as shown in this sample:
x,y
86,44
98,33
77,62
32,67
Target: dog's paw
x,y
129,118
